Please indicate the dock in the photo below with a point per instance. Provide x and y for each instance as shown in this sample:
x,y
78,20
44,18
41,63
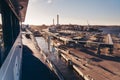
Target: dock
x,y
90,63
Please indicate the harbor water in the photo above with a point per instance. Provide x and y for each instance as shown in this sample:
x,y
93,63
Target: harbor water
x,y
69,74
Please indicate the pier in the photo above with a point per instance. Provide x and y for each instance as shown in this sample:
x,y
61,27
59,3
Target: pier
x,y
88,64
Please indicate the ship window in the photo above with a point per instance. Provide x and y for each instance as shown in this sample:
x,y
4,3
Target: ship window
x,y
0,19
1,38
0,28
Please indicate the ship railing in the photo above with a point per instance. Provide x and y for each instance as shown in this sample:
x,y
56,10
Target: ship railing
x,y
11,68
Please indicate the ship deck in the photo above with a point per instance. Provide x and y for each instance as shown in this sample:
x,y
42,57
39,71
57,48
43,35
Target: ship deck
x,y
32,67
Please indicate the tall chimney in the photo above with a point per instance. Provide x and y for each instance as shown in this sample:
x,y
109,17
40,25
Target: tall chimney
x,y
57,19
53,22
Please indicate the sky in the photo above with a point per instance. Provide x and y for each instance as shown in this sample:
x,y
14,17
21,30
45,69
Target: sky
x,y
94,12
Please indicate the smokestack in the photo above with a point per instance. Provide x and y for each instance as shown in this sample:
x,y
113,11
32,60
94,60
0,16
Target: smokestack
x,y
57,19
53,22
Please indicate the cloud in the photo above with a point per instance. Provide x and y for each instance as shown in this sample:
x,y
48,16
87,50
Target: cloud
x,y
50,1
36,1
33,1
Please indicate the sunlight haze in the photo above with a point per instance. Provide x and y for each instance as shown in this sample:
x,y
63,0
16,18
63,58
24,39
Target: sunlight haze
x,y
96,12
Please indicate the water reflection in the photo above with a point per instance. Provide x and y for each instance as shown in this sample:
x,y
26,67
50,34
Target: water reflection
x,y
52,53
42,44
68,73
